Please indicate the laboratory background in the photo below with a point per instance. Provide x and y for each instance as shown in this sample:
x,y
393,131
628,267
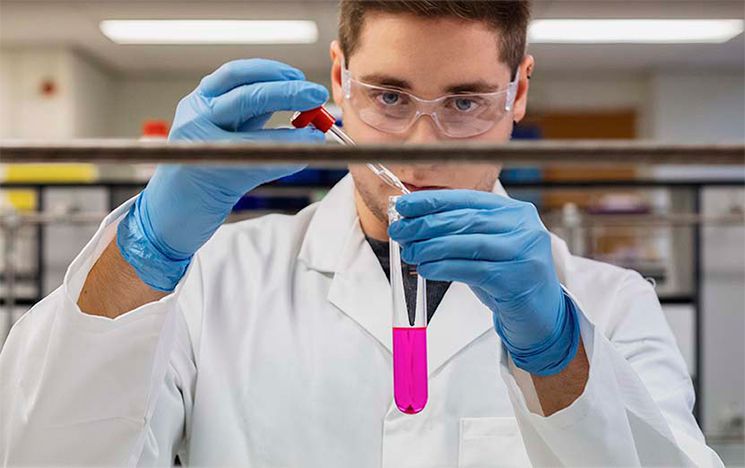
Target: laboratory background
x,y
72,69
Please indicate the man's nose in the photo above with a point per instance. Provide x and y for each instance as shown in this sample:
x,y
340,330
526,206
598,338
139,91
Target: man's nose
x,y
424,130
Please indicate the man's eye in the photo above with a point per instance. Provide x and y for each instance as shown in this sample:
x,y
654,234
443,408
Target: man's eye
x,y
464,104
389,98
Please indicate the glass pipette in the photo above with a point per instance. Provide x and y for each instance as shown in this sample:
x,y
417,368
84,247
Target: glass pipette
x,y
325,122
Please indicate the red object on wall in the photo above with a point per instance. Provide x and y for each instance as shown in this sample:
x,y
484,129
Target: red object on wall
x,y
48,88
155,129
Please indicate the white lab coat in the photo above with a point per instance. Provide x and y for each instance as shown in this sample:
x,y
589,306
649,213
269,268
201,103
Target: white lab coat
x,y
275,351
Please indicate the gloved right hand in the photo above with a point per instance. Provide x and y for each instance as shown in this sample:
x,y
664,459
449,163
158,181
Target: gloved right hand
x,y
183,205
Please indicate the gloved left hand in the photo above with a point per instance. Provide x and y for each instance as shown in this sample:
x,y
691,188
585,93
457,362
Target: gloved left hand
x,y
500,248
183,205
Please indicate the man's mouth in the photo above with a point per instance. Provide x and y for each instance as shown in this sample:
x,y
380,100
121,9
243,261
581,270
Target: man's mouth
x,y
417,188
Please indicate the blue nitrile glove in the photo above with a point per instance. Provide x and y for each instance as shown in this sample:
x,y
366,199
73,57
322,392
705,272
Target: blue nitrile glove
x,y
183,205
500,248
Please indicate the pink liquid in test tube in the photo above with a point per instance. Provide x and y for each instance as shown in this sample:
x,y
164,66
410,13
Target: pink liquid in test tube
x,y
410,368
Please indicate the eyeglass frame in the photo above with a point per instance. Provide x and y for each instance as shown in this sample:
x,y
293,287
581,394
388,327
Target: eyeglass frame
x,y
510,91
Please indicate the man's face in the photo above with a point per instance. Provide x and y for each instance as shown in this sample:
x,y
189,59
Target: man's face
x,y
425,57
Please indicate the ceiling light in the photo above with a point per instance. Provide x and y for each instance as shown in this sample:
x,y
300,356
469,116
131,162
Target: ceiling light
x,y
639,31
210,31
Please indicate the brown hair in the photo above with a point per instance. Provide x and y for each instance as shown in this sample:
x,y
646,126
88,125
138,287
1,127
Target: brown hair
x,y
509,17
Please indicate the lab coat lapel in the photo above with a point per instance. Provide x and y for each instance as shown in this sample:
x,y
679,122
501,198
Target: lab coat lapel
x,y
460,318
335,244
361,290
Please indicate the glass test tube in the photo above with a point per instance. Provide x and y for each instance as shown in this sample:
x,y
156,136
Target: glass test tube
x,y
409,330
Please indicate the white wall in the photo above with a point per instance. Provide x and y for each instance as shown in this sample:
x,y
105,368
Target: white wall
x,y
91,88
695,106
587,91
672,105
139,99
28,113
78,108
7,88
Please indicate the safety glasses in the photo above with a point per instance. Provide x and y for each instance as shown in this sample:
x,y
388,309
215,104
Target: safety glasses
x,y
393,110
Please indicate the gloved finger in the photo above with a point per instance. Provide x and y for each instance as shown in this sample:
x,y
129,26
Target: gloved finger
x,y
285,135
490,247
243,103
257,123
435,201
461,221
241,72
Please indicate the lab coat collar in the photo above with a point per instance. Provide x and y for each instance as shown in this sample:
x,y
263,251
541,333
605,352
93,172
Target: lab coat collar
x,y
334,221
334,243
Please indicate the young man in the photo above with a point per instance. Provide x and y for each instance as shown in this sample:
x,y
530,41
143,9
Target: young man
x,y
270,345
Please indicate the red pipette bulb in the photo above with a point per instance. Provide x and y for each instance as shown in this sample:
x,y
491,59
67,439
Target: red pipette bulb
x,y
318,117
323,121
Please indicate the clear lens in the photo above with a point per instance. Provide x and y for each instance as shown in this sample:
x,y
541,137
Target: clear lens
x,y
384,109
470,115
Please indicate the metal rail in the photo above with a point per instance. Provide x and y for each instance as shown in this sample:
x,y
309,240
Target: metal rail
x,y
13,220
511,153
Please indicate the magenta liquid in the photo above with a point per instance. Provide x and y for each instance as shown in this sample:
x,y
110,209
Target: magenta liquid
x,y
410,368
